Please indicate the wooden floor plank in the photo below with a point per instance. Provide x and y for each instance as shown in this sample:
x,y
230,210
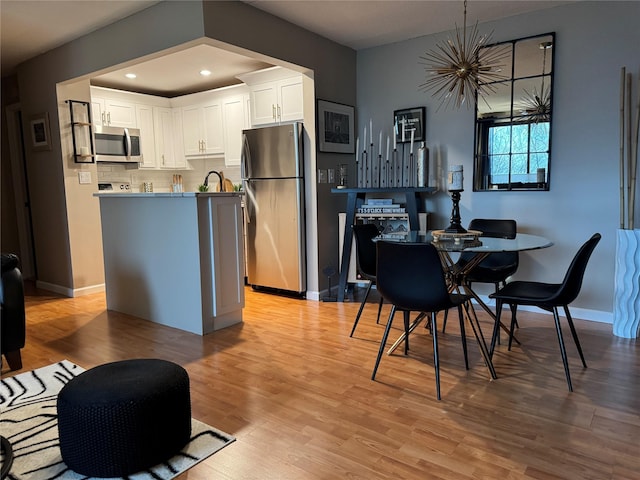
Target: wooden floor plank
x,y
295,390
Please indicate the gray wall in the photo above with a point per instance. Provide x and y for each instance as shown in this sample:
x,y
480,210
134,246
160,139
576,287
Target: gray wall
x,y
594,40
62,242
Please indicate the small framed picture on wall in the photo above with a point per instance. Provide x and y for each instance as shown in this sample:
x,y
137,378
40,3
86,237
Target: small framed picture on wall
x,y
335,127
407,121
40,132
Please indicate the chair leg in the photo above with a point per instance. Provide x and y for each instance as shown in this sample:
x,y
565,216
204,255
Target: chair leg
x,y
496,327
14,360
379,310
383,341
575,334
364,301
444,321
514,322
463,336
497,287
563,351
436,357
407,315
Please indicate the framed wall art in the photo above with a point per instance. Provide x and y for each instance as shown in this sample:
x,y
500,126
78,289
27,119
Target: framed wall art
x,y
407,121
40,132
335,127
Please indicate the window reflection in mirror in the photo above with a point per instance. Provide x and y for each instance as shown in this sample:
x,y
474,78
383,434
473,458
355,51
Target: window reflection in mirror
x,y
513,121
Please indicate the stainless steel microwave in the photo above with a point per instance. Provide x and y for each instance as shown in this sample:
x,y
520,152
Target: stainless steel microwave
x,y
117,145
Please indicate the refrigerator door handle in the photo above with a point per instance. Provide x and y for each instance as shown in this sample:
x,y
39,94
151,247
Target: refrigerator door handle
x,y
245,156
249,201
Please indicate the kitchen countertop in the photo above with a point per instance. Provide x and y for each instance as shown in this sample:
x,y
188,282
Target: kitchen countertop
x,y
169,194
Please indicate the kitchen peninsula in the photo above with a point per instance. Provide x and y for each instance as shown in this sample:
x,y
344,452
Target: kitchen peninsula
x,y
174,258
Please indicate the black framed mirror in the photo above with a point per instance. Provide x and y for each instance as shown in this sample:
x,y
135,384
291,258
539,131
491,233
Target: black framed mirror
x,y
513,120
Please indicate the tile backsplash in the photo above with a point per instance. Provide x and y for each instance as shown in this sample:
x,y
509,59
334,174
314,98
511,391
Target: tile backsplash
x,y
162,179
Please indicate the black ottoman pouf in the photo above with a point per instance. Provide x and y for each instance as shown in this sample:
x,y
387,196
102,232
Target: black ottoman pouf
x,y
123,417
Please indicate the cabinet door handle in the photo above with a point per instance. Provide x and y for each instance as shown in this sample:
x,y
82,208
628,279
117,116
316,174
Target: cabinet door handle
x,y
279,114
273,111
109,118
104,118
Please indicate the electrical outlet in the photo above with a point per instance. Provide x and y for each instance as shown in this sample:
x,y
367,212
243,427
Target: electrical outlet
x,y
84,178
322,176
331,175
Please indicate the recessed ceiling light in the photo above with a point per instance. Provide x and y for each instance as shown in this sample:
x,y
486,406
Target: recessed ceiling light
x,y
205,73
131,75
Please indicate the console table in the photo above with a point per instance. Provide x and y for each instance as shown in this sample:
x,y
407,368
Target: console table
x,y
355,199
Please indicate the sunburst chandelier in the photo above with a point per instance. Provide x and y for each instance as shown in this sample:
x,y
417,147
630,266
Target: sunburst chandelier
x,y
462,66
537,105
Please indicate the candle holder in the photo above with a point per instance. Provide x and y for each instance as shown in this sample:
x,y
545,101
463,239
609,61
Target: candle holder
x,y
397,174
455,226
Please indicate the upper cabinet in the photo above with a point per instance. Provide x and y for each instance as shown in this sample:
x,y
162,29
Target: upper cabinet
x,y
165,128
276,95
235,120
113,112
144,121
202,129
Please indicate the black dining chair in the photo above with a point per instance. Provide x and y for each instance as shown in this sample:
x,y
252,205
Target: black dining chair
x,y
411,278
496,267
366,263
548,296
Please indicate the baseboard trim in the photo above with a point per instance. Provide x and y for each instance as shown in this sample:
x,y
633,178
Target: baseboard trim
x,y
70,292
576,313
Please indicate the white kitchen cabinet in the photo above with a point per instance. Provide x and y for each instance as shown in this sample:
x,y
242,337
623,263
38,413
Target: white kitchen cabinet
x,y
277,102
108,112
202,129
234,118
165,139
145,122
178,139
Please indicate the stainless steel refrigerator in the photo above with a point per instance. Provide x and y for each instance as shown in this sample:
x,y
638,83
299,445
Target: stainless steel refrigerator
x,y
272,173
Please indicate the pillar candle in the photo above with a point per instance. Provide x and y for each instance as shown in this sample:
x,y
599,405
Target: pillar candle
x,y
455,177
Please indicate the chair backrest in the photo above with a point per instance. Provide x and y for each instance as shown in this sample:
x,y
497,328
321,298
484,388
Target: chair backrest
x,y
410,276
366,248
496,228
572,282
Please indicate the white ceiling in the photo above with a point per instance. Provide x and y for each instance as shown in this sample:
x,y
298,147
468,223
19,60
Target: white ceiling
x,y
31,27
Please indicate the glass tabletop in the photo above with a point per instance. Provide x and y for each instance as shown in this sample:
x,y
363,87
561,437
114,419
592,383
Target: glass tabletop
x,y
522,242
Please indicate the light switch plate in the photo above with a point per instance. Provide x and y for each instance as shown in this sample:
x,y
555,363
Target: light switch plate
x,y
331,175
84,178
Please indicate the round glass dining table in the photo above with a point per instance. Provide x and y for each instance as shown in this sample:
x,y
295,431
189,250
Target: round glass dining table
x,y
522,242
457,275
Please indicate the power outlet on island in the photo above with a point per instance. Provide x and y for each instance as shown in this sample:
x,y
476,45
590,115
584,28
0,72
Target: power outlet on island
x,y
84,178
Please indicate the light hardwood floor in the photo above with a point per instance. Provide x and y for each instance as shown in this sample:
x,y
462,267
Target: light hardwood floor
x,y
295,390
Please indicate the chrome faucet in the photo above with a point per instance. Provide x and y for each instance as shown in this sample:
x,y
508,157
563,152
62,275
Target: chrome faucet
x,y
206,179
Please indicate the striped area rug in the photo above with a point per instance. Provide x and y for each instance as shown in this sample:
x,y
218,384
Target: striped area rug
x,y
28,420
